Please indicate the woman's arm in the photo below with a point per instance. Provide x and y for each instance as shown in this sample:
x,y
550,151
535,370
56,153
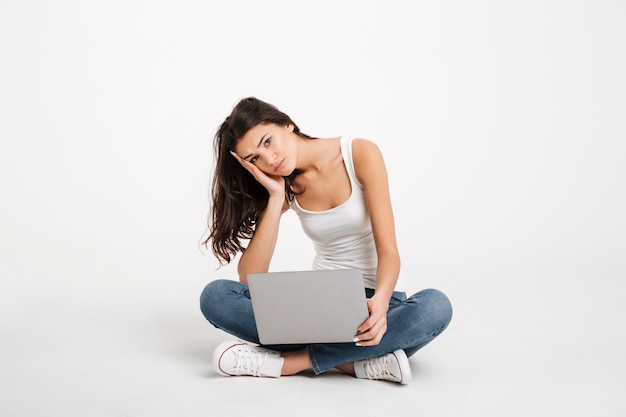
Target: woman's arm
x,y
370,170
258,254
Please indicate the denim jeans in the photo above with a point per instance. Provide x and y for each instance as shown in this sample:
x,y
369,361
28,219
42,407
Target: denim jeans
x,y
411,323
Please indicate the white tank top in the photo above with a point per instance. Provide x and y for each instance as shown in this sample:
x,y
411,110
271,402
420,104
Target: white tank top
x,y
342,236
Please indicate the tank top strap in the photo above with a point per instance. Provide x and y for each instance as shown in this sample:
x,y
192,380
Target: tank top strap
x,y
346,152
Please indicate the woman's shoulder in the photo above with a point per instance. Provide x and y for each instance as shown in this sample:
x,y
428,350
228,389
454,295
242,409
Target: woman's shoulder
x,y
367,158
364,149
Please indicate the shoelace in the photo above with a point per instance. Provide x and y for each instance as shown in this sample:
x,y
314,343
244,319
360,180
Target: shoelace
x,y
378,368
250,361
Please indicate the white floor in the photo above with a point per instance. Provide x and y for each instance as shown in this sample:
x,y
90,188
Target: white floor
x,y
133,346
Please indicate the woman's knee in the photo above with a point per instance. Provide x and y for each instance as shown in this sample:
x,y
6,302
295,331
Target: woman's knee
x,y
433,309
432,314
213,296
439,306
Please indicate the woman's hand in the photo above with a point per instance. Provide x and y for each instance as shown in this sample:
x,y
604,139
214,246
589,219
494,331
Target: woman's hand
x,y
374,328
274,184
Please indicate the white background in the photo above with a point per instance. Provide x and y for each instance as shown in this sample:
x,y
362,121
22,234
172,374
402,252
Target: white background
x,y
502,125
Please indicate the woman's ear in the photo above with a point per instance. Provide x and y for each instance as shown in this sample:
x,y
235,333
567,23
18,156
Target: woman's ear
x,y
290,127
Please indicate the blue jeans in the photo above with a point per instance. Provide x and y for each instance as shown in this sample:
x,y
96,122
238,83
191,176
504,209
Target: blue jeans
x,y
411,323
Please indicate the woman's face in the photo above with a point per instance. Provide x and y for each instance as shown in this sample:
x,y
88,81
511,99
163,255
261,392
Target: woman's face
x,y
270,147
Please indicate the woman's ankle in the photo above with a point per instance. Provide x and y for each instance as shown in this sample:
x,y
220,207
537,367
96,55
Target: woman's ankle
x,y
295,362
347,368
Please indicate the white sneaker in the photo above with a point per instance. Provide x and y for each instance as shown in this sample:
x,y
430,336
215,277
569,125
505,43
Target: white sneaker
x,y
239,358
393,367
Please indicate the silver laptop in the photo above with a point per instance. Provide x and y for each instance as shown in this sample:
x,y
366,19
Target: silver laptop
x,y
304,307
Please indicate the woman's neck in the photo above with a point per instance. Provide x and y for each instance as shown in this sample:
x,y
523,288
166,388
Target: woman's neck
x,y
315,154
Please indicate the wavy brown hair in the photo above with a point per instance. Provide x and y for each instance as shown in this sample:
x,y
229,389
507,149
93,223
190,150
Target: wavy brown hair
x,y
238,198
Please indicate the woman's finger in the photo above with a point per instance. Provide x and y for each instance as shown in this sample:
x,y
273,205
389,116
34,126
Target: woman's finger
x,y
273,184
373,336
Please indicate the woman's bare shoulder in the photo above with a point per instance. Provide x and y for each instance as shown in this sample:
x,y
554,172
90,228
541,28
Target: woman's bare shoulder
x,y
367,158
365,149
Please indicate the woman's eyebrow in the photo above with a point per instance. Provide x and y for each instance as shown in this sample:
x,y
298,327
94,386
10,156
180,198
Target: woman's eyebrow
x,y
260,142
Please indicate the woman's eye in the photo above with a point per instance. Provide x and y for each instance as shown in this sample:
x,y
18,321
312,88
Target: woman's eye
x,y
267,141
254,159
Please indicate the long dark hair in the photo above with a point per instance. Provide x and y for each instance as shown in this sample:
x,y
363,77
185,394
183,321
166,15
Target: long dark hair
x,y
237,198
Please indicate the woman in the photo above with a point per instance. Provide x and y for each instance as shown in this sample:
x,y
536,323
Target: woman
x,y
338,187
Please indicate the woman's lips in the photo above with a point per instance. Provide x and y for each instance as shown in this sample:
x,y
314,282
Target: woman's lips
x,y
280,165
